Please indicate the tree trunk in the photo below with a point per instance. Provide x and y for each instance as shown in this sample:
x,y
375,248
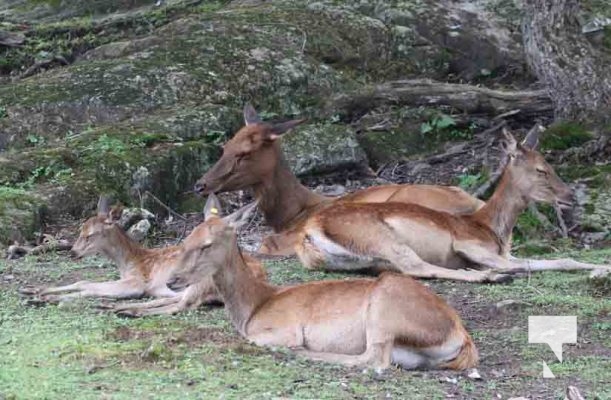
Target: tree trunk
x,y
576,74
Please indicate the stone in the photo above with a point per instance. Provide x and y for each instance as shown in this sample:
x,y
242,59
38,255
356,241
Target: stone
x,y
323,148
131,216
140,230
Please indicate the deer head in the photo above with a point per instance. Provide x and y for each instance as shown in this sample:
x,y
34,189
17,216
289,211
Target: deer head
x,y
212,242
533,177
96,230
248,157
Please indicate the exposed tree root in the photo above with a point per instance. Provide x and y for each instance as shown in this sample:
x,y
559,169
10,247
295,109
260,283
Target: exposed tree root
x,y
466,98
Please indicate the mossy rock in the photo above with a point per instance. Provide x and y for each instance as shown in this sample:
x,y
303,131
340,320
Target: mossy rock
x,y
320,148
20,214
564,135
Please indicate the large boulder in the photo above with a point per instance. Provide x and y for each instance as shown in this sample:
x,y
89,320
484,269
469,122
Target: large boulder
x,y
323,148
20,213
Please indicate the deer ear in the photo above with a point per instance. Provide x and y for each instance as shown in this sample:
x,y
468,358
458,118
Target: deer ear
x,y
509,145
531,141
278,130
241,216
250,115
212,207
103,205
114,214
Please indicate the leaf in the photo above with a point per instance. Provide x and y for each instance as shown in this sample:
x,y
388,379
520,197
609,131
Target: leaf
x,y
425,127
444,121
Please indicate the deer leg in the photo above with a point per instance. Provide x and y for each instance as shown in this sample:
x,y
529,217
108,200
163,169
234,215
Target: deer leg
x,y
121,289
563,264
189,299
479,255
145,304
66,288
168,309
162,291
377,355
408,262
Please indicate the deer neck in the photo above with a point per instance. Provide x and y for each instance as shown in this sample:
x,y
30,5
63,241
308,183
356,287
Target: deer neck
x,y
282,198
120,248
240,290
502,210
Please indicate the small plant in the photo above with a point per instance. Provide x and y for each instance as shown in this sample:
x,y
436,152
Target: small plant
x,y
443,124
437,123
3,112
215,137
34,140
108,145
469,181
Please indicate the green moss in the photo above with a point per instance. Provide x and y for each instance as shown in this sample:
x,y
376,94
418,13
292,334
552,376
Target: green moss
x,y
597,176
19,214
564,135
607,38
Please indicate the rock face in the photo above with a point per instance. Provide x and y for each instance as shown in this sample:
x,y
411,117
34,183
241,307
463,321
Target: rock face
x,y
20,213
151,92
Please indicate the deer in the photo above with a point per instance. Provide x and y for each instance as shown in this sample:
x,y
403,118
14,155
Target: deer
x,y
427,243
369,322
143,271
253,159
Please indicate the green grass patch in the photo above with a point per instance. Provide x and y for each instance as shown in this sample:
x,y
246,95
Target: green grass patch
x,y
198,354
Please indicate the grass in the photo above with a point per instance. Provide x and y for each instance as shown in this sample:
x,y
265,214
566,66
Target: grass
x,y
47,352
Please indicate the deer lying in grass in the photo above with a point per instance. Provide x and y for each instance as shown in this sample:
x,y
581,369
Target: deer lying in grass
x,y
143,272
253,159
369,322
432,244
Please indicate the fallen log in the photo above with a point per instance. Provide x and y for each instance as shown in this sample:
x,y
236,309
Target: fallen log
x,y
465,98
11,39
17,251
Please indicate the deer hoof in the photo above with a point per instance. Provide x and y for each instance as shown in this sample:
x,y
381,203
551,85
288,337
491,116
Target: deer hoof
x,y
500,278
127,313
36,302
29,290
105,306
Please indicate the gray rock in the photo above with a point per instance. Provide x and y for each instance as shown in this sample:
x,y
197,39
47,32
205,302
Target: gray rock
x,y
131,216
323,148
139,231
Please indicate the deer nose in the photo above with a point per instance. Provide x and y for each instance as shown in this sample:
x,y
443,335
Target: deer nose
x,y
200,187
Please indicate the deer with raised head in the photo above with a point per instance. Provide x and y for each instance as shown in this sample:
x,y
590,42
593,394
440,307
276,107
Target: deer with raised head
x,y
253,159
143,272
426,243
355,322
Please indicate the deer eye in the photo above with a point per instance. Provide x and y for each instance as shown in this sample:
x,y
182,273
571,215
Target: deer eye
x,y
542,172
243,156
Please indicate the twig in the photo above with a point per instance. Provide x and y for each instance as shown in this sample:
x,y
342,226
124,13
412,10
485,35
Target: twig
x,y
563,228
162,204
183,233
572,393
507,114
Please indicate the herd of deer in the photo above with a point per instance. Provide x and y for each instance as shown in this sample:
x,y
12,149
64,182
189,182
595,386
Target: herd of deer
x,y
421,231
